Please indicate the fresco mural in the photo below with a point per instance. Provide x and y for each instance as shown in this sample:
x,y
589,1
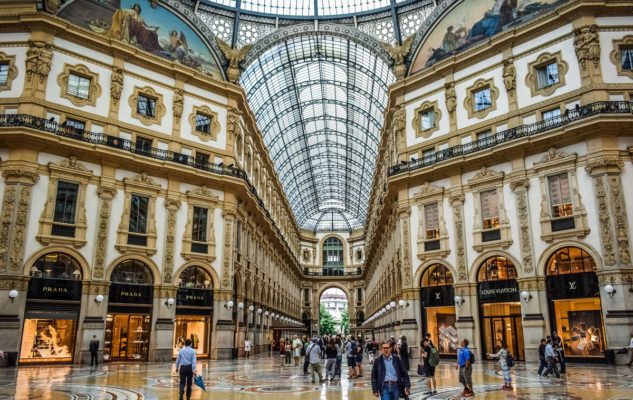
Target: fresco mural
x,y
473,21
155,30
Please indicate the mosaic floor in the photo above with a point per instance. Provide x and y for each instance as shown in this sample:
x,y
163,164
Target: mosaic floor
x,y
259,378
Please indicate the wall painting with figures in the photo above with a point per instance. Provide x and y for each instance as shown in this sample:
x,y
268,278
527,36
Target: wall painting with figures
x,y
153,29
473,21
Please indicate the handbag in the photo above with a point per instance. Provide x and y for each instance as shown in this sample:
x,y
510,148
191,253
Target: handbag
x,y
421,369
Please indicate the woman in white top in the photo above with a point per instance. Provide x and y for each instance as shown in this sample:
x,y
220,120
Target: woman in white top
x,y
502,355
247,348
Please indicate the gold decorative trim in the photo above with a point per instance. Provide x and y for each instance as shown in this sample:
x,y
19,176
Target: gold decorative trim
x,y
541,61
160,106
469,102
215,125
82,71
615,57
426,106
12,72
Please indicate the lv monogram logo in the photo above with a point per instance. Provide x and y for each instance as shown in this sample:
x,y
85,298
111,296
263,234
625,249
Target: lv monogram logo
x,y
438,296
572,285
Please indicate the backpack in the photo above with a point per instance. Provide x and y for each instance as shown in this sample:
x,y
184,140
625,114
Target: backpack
x,y
509,360
472,357
434,357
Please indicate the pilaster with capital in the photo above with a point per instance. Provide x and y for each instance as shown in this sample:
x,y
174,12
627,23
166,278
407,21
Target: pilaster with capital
x,y
106,192
172,205
520,188
14,217
228,216
457,203
406,247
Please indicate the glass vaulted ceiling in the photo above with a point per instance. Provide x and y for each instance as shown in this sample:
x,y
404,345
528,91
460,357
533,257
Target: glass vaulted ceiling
x,y
307,8
319,101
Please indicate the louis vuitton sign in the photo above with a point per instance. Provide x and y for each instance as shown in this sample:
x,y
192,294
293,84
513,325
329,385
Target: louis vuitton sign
x,y
498,291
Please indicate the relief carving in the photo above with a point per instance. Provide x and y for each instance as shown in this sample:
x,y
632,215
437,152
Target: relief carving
x,y
106,194
451,97
398,54
619,212
226,265
587,45
8,206
178,104
525,236
116,85
170,238
457,202
38,59
606,235
509,75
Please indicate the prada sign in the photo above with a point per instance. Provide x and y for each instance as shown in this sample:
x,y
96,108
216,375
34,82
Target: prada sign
x,y
54,289
437,296
498,291
573,286
194,297
133,294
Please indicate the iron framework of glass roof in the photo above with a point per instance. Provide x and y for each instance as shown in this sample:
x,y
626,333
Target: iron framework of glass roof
x,y
319,101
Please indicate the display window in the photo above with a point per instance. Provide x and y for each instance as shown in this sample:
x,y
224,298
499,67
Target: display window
x,y
126,337
575,308
440,323
195,328
438,308
48,340
500,307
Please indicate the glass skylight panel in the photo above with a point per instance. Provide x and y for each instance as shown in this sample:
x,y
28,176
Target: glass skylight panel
x,y
281,7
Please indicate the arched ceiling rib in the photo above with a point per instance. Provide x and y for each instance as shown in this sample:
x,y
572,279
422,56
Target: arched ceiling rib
x,y
319,101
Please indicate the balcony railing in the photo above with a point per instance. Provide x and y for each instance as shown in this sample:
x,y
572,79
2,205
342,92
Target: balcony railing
x,y
589,110
52,126
334,272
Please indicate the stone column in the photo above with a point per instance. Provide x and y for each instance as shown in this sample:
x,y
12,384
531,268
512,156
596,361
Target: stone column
x,y
534,310
172,206
223,332
93,322
162,335
467,314
106,192
616,250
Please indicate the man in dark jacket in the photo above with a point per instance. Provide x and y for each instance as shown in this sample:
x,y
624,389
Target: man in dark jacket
x,y
389,378
94,351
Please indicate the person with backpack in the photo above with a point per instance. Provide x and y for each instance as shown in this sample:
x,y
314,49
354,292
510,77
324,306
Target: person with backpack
x,y
465,361
506,361
541,357
330,367
350,350
314,353
431,358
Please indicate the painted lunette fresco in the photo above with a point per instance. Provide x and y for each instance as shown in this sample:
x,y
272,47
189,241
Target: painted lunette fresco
x,y
473,21
155,30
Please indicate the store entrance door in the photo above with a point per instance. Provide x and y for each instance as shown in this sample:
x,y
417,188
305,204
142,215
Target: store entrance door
x,y
498,327
126,337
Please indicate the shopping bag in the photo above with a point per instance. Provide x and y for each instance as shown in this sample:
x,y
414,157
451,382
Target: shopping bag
x,y
199,382
421,369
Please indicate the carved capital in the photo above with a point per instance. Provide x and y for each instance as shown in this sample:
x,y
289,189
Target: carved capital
x,y
602,165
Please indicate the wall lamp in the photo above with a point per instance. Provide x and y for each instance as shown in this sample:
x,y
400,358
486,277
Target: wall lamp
x,y
610,290
228,305
240,305
99,299
526,296
250,308
403,303
458,300
13,294
170,302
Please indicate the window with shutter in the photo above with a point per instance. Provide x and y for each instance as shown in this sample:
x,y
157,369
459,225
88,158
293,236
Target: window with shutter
x,y
560,195
490,209
431,221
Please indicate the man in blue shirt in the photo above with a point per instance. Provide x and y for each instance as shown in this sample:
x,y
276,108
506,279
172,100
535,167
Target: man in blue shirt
x,y
186,365
465,369
388,376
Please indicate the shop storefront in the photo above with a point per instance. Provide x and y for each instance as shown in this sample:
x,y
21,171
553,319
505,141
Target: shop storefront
x,y
574,303
438,308
194,311
500,307
52,310
128,321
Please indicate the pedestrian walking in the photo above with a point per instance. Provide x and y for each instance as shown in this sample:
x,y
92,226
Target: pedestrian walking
x,y
630,363
94,351
350,351
330,367
247,347
551,357
288,352
297,344
314,352
505,362
186,367
404,352
359,359
306,359
465,359
431,358
559,348
541,357
389,378
339,358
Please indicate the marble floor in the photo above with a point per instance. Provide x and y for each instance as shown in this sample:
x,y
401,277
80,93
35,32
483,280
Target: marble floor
x,y
261,378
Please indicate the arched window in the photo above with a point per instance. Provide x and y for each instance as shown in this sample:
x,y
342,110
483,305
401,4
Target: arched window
x,y
333,260
437,275
56,266
132,272
496,269
195,278
570,260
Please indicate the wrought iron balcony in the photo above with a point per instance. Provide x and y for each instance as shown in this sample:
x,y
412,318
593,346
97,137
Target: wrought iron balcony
x,y
578,113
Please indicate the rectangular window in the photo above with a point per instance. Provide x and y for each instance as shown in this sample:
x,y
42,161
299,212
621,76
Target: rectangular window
x,y
431,221
626,59
138,214
75,125
199,233
78,86
551,114
4,73
143,145
560,195
146,106
483,99
203,123
547,75
202,159
490,209
66,202
427,119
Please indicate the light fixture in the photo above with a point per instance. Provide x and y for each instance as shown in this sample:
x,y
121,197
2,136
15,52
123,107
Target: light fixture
x,y
458,300
384,310
170,302
610,290
393,304
526,296
401,303
240,305
388,307
228,305
99,299
259,311
251,308
13,294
